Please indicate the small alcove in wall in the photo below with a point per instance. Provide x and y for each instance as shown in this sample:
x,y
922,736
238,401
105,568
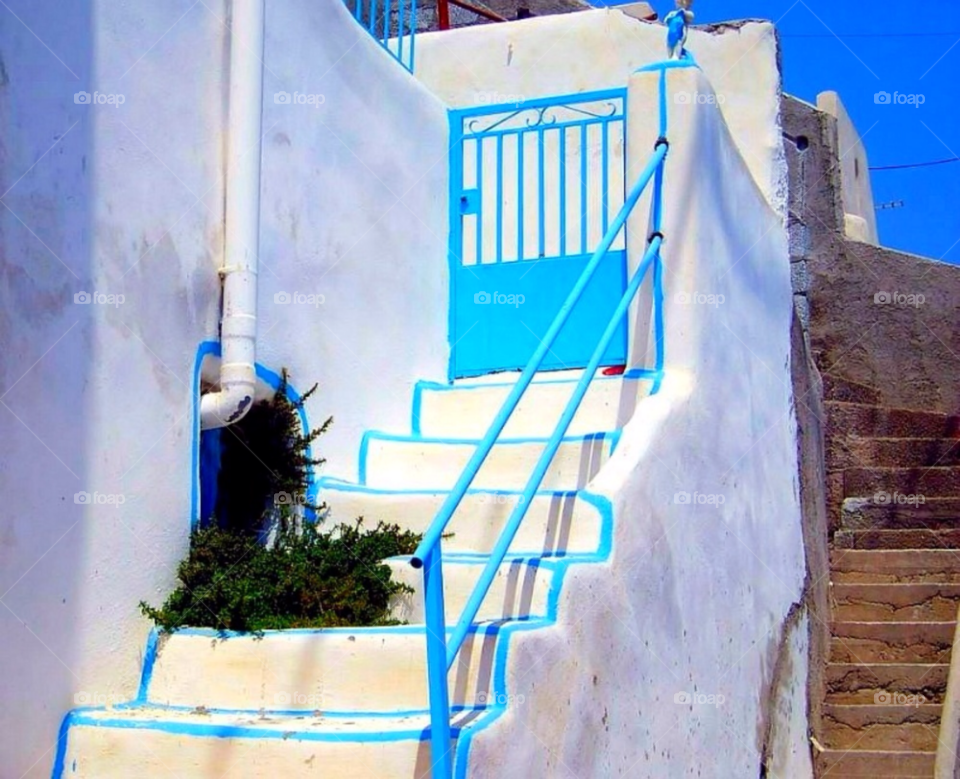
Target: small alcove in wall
x,y
243,469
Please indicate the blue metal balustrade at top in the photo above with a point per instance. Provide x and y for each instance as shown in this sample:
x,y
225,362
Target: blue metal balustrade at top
x,y
393,23
534,188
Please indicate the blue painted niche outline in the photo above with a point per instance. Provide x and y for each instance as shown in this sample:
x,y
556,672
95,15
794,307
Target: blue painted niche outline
x,y
269,377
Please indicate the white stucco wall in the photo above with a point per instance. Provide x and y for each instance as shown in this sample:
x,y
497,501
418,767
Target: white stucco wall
x,y
128,200
115,200
695,595
860,216
355,195
594,50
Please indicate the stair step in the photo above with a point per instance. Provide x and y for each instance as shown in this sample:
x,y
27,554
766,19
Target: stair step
x,y
897,728
466,410
838,763
847,391
909,486
932,514
847,452
520,590
895,602
897,539
855,683
556,523
894,565
866,420
374,670
402,462
163,744
891,642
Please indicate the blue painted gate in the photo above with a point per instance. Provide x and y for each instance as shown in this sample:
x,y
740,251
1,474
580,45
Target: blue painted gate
x,y
534,186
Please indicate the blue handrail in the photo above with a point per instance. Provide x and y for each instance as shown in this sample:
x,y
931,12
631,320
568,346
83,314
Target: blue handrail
x,y
499,551
432,537
441,652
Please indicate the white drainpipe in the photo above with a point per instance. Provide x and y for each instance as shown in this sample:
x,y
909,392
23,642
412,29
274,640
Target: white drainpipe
x,y
238,328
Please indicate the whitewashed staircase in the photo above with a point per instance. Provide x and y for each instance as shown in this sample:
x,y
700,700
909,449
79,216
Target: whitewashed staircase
x,y
352,703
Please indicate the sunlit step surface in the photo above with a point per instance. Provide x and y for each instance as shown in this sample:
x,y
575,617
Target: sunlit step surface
x,y
342,670
555,522
465,410
520,590
402,462
164,744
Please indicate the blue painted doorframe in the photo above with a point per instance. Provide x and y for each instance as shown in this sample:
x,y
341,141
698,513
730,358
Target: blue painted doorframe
x,y
533,188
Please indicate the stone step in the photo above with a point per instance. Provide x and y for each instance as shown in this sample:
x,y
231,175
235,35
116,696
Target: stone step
x,y
519,591
410,463
897,728
846,452
891,642
372,670
849,566
897,539
165,744
847,391
906,486
932,514
859,419
838,763
556,523
875,683
895,602
466,409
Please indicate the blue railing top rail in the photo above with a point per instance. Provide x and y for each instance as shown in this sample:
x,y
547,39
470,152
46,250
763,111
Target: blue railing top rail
x,y
543,102
437,528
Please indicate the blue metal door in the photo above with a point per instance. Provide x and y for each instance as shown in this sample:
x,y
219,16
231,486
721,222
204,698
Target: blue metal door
x,y
534,186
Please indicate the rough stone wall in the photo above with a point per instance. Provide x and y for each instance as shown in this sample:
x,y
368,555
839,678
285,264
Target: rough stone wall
x,y
889,320
907,348
871,315
814,220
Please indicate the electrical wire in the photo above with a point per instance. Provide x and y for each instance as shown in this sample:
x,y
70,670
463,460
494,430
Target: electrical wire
x,y
916,164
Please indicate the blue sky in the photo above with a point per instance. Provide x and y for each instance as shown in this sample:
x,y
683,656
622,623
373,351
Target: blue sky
x,y
825,47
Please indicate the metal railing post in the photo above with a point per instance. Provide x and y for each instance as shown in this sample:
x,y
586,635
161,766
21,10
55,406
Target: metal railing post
x,y
436,635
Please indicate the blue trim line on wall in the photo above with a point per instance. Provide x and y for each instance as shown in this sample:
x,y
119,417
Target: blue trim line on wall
x,y
453,231
149,661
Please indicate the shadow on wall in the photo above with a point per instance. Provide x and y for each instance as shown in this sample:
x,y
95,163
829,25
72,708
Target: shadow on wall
x,y
46,233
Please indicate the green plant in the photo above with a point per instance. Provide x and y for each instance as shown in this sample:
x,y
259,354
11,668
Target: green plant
x,y
303,578
306,579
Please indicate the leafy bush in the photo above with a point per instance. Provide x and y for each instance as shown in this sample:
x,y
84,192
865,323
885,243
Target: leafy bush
x,y
307,579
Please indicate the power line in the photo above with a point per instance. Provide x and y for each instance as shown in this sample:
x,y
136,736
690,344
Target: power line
x,y
871,35
917,164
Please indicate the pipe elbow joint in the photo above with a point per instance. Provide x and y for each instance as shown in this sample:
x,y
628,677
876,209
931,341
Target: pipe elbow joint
x,y
232,402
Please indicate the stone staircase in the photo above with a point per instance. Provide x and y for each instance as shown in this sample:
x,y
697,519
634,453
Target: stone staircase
x,y
352,703
893,494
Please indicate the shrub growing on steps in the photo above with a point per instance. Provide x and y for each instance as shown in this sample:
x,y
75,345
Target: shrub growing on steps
x,y
307,578
303,576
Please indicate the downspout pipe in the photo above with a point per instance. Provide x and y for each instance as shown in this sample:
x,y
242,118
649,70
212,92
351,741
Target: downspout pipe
x,y
238,325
